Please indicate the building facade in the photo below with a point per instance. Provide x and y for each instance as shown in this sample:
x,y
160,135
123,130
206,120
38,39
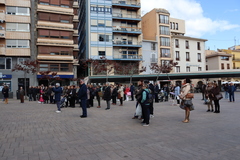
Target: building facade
x,y
110,29
15,42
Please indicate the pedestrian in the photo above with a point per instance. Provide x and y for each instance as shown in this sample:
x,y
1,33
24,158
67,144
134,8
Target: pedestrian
x,y
203,89
97,93
156,91
114,94
82,95
72,95
231,90
225,87
21,94
30,92
132,90
209,96
57,94
107,95
138,97
185,90
166,92
5,92
177,90
121,94
145,105
216,91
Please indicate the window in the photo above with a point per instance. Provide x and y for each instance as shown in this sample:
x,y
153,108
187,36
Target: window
x,y
222,65
17,43
163,19
198,46
187,45
164,30
5,63
177,56
228,66
101,9
177,68
206,67
225,58
199,57
165,52
64,67
176,43
199,68
102,37
187,69
164,41
187,56
101,53
153,46
43,67
17,27
176,26
17,10
21,60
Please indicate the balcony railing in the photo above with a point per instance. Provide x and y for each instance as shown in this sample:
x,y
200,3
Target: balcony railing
x,y
126,43
126,2
127,29
127,56
132,16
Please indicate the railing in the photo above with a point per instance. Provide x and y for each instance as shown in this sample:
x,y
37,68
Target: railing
x,y
126,43
127,2
129,29
127,56
120,15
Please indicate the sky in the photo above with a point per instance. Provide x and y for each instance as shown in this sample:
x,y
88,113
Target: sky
x,y
218,21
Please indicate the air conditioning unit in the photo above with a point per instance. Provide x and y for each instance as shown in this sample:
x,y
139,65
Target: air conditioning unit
x,y
120,50
2,35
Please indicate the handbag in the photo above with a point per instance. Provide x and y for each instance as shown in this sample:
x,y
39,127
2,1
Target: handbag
x,y
207,100
139,110
219,96
119,96
189,95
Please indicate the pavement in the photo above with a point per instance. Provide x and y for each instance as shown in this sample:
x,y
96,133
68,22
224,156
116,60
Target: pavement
x,y
33,131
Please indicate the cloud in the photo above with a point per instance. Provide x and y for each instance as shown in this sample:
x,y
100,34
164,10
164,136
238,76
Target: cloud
x,y
197,25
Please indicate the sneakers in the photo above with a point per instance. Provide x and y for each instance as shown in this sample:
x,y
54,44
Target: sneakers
x,y
145,125
58,111
151,116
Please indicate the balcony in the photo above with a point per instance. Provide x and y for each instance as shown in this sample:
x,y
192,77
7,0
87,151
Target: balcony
x,y
128,57
127,43
55,42
75,4
18,3
54,25
2,2
2,49
121,16
121,29
54,9
126,3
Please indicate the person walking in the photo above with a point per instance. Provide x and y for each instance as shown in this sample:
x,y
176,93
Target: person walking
x,y
58,91
82,95
184,91
5,92
21,94
231,90
216,91
107,95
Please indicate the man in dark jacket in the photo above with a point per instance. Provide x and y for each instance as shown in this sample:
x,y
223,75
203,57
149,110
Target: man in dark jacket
x,y
107,95
82,95
132,90
58,91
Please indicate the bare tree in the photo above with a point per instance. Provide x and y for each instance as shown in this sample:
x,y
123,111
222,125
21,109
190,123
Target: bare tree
x,y
50,76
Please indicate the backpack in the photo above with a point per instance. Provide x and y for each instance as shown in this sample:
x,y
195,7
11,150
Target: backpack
x,y
149,98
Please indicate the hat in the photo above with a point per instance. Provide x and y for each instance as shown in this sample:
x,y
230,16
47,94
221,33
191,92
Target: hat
x,y
57,84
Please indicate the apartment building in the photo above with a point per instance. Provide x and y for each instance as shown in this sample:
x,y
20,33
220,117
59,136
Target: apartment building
x,y
15,42
55,38
110,29
235,52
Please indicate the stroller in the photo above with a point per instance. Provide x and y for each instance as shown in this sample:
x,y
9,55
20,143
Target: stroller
x,y
63,102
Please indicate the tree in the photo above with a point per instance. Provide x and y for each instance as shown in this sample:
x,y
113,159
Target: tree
x,y
129,69
165,67
50,76
28,67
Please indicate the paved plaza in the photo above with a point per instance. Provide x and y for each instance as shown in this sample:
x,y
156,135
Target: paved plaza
x,y
33,131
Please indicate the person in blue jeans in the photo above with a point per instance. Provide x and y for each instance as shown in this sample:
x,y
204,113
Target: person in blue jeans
x,y
231,90
145,105
82,95
58,92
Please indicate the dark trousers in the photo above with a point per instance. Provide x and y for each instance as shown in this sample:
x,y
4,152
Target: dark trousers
x,y
121,100
145,113
217,106
84,107
132,96
156,97
91,101
114,99
151,108
231,97
98,99
22,98
72,102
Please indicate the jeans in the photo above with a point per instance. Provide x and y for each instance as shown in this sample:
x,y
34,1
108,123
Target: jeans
x,y
58,105
108,104
231,97
84,107
226,95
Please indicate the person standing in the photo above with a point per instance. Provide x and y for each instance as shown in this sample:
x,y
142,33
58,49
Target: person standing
x,y
225,87
132,90
58,91
82,95
121,93
107,95
21,94
166,92
72,95
114,94
203,90
145,105
97,91
177,90
209,96
30,92
216,91
5,92
156,91
231,90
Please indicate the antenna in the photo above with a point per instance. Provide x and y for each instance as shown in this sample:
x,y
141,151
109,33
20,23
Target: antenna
x,y
235,41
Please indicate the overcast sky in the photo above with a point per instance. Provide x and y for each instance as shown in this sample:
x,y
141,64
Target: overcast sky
x,y
217,21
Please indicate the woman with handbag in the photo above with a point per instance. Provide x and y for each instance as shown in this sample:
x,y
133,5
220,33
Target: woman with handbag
x,y
215,92
208,96
186,97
